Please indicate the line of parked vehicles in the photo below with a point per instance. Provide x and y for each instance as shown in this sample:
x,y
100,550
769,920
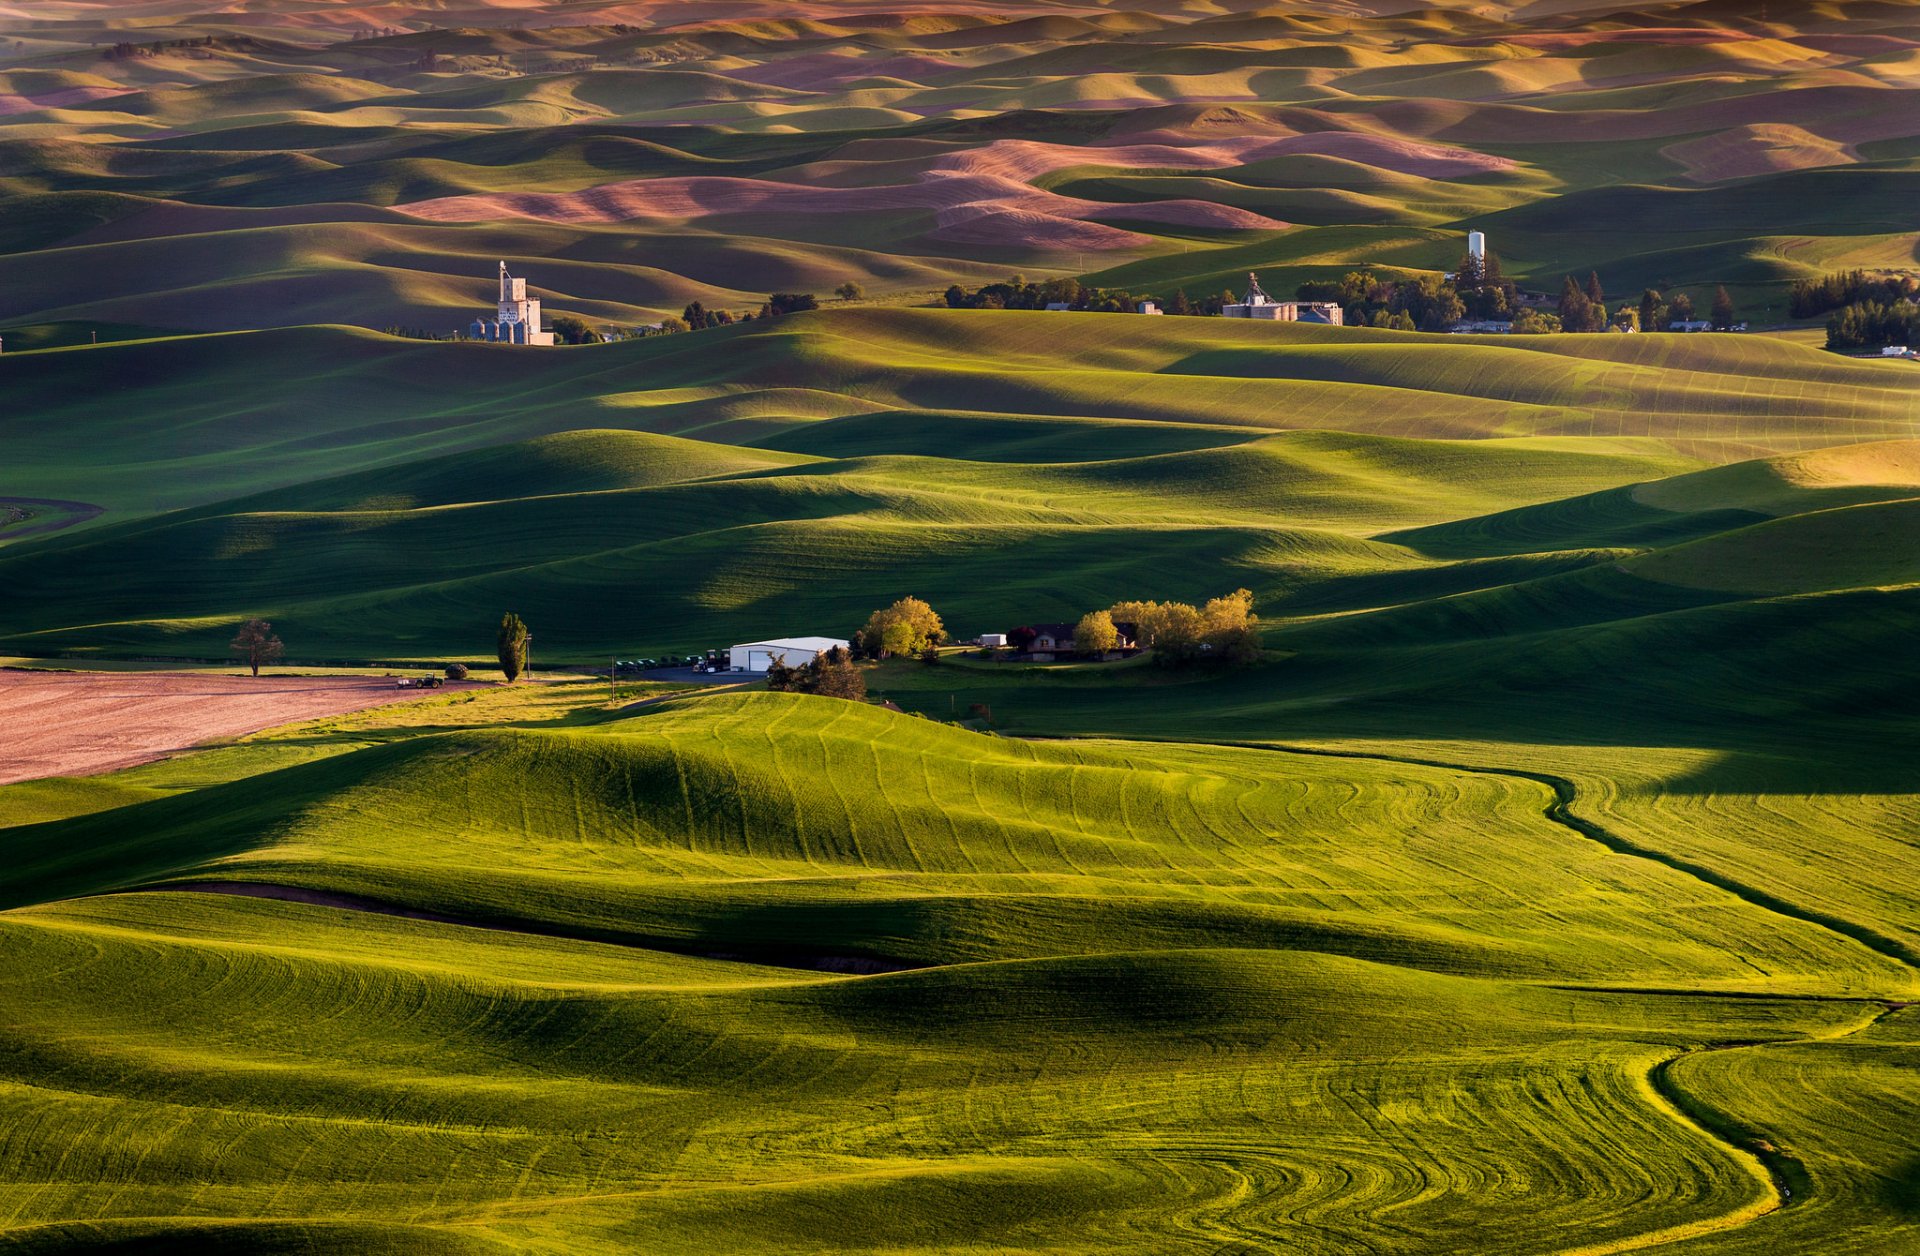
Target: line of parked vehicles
x,y
700,664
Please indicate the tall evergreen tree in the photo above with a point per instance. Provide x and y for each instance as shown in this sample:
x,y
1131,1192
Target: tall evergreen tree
x,y
1575,308
1722,309
511,646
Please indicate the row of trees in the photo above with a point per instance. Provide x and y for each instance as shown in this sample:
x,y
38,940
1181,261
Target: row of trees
x,y
829,675
1018,294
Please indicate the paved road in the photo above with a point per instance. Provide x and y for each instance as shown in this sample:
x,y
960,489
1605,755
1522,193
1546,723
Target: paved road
x,y
686,676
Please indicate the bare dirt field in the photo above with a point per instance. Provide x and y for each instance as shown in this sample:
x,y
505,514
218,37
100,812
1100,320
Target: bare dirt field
x,y
77,723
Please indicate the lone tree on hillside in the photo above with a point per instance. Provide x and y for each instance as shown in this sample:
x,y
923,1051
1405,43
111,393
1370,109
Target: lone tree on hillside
x,y
512,646
256,644
849,291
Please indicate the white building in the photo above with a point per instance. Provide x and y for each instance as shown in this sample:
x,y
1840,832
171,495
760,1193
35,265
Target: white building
x,y
758,656
1257,304
518,320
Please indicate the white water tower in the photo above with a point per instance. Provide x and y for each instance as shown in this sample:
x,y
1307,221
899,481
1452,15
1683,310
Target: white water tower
x,y
1477,246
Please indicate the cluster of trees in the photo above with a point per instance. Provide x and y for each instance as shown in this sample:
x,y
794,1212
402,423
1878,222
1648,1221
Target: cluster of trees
x,y
1871,325
1870,309
1428,303
1224,630
1019,294
1810,298
909,627
829,675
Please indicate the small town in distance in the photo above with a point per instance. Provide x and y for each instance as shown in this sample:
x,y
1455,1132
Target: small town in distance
x,y
1474,299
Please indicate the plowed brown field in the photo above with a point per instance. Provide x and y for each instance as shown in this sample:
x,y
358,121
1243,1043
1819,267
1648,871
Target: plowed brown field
x,y
77,723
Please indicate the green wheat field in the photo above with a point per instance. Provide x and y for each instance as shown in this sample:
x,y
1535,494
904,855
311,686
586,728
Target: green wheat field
x,y
1549,884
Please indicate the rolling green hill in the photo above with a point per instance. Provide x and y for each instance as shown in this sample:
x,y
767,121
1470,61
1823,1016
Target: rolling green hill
x,y
1135,913
1112,458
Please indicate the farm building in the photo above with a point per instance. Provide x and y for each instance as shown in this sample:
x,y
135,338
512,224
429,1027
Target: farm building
x,y
517,321
1055,639
758,656
1257,304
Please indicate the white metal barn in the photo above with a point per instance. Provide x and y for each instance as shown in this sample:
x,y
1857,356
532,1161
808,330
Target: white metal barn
x,y
758,656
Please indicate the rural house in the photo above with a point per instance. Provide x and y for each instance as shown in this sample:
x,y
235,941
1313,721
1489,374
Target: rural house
x,y
1055,639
